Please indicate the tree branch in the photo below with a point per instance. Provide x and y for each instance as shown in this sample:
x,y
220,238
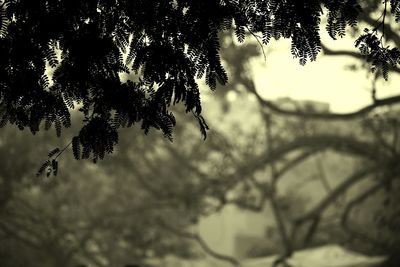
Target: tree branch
x,y
344,144
287,245
340,189
264,188
294,162
311,230
357,201
329,116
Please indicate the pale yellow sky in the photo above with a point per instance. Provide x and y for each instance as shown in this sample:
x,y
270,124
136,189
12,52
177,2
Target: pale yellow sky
x,y
324,80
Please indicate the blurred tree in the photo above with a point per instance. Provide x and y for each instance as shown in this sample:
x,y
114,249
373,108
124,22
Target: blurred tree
x,y
93,216
366,140
15,172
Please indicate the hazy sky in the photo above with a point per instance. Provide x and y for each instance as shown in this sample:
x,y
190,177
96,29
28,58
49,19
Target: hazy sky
x,y
323,80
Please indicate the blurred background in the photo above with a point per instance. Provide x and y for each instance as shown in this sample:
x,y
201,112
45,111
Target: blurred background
x,y
279,172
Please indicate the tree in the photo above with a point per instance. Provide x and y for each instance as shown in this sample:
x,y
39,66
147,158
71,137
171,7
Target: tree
x,y
245,169
365,140
163,46
93,215
368,135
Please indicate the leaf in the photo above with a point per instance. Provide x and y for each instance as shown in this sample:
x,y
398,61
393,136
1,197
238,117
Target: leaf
x,y
240,33
50,55
202,124
43,167
76,147
54,166
53,152
3,22
57,125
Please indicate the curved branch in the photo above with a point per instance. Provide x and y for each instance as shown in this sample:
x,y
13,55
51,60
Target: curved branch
x,y
329,116
264,188
311,230
320,115
329,52
325,141
356,201
315,213
250,86
294,162
335,193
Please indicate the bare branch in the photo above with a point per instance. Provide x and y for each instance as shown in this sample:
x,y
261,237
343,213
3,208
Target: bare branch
x,y
322,174
344,144
287,245
329,116
357,201
335,193
294,162
311,230
379,136
329,52
264,188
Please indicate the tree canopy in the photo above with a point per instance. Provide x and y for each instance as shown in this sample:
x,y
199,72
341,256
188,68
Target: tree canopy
x,y
165,47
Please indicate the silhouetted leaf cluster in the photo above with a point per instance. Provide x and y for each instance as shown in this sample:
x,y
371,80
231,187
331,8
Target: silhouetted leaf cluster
x,y
163,46
395,9
381,58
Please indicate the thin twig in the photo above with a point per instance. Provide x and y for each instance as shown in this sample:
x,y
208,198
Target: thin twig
x,y
62,150
258,41
357,201
383,23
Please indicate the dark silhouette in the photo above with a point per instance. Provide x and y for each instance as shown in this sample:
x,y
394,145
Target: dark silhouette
x,y
162,45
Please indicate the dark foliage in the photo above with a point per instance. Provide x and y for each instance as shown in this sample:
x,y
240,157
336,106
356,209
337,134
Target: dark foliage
x,y
163,45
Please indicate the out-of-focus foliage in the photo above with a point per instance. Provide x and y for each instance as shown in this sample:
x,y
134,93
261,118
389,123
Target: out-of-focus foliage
x,y
90,215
